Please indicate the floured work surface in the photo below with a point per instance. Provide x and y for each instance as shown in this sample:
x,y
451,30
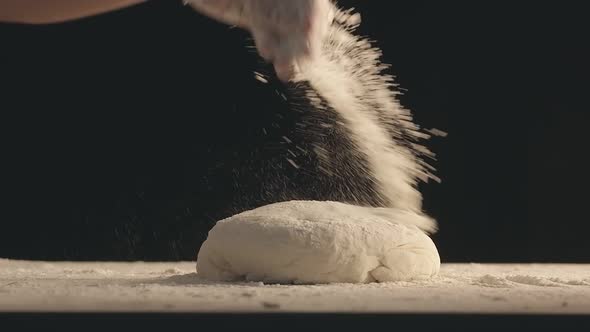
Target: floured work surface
x,y
175,287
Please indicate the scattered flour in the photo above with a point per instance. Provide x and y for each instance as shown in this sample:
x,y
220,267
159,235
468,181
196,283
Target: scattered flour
x,y
492,281
327,242
508,281
348,78
570,282
147,287
319,242
530,280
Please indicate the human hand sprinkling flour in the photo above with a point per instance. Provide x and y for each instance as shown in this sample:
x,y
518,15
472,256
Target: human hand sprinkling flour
x,y
287,33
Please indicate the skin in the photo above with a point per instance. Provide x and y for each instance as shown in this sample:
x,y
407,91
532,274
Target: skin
x,y
57,11
287,32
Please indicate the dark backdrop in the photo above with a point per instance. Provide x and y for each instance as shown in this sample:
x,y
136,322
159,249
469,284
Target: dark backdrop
x,y
125,136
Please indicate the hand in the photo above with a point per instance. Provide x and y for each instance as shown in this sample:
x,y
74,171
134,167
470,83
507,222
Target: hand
x,y
287,32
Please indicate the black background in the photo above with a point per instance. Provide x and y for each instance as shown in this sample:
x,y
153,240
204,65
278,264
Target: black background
x,y
127,135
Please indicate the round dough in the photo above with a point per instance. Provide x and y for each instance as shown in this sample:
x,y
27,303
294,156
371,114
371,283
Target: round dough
x,y
320,242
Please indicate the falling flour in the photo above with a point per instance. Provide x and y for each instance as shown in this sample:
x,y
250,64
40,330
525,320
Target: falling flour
x,y
348,79
320,242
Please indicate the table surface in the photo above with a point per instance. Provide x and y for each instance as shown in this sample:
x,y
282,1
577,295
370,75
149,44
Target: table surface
x,y
28,286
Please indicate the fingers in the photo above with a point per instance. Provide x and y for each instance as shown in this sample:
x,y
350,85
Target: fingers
x,y
231,12
283,51
290,32
286,32
285,69
320,19
293,16
266,44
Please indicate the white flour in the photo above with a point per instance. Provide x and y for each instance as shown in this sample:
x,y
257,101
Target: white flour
x,y
348,77
174,287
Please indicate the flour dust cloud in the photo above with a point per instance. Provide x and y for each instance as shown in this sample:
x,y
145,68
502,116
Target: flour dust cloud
x,y
348,78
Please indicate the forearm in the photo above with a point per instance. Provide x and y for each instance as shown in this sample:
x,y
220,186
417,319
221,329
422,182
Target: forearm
x,y
55,11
